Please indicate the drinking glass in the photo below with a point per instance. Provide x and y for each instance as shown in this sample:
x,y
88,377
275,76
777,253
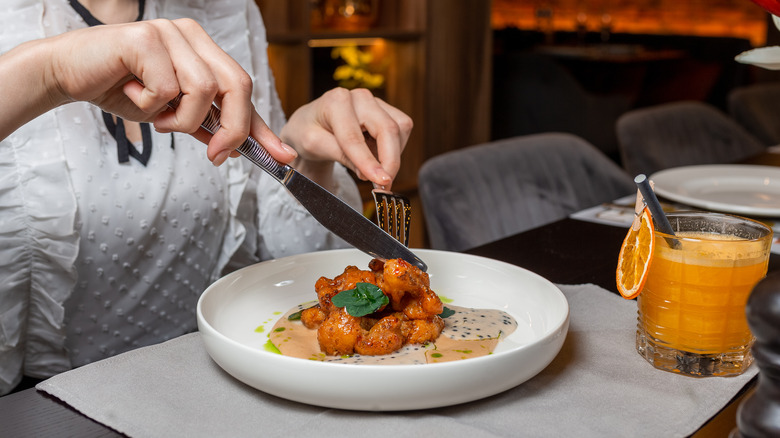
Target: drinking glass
x,y
691,311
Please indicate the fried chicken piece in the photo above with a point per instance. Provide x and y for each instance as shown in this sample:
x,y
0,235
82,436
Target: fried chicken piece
x,y
421,331
424,305
400,274
339,332
400,278
313,317
413,319
327,288
376,265
384,337
409,290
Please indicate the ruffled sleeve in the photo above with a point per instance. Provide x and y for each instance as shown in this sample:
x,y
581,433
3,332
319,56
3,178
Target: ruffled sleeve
x,y
37,216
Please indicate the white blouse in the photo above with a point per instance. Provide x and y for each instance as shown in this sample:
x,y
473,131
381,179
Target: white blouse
x,y
99,257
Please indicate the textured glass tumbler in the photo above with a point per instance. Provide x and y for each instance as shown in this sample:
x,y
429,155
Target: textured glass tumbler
x,y
692,308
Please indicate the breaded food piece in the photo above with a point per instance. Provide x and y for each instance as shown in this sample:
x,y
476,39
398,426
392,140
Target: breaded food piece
x,y
411,317
338,333
384,337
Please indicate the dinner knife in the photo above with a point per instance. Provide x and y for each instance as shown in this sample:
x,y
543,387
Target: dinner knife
x,y
333,213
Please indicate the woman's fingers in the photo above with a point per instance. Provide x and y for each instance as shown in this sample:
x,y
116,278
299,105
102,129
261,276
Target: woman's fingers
x,y
341,112
384,129
210,75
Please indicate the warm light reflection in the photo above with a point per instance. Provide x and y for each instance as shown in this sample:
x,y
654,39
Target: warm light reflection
x,y
340,42
733,18
362,61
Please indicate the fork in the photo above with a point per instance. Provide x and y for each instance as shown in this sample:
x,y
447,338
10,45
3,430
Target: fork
x,y
393,214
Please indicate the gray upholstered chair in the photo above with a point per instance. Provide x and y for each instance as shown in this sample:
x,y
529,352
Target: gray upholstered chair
x,y
482,193
680,134
757,108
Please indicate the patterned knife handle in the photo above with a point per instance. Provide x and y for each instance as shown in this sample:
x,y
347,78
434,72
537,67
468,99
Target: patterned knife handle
x,y
251,148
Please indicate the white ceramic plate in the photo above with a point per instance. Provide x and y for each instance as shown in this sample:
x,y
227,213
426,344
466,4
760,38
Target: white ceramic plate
x,y
231,309
732,188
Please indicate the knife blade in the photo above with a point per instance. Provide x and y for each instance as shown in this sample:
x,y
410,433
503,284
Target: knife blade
x,y
329,210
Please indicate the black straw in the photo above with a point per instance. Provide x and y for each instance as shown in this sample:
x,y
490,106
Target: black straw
x,y
656,211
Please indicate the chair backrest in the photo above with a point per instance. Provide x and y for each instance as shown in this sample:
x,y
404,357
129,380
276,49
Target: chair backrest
x,y
679,134
757,107
482,193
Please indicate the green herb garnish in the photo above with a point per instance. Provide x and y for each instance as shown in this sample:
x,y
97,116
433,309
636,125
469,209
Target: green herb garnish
x,y
446,312
364,299
297,315
270,347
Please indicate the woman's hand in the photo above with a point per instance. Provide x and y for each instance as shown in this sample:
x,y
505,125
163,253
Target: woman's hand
x,y
352,127
99,65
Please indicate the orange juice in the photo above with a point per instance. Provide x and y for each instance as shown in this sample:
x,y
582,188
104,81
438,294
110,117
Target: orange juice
x,y
692,308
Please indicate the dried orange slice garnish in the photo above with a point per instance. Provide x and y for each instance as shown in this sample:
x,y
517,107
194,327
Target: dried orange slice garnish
x,y
635,256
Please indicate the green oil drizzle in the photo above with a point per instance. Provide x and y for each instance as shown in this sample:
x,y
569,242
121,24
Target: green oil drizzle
x,y
271,348
260,329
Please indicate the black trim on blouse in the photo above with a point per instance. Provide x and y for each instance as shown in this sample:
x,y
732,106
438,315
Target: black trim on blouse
x,y
124,147
92,21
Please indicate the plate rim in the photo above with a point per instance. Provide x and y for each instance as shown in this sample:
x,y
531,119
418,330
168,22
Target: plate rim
x,y
555,333
673,195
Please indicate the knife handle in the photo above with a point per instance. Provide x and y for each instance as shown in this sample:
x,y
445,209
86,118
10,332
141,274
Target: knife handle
x,y
251,148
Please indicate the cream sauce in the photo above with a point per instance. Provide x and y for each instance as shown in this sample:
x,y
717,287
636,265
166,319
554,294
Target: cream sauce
x,y
467,333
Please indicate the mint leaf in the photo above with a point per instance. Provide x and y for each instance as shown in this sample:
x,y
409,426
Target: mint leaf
x,y
364,299
446,312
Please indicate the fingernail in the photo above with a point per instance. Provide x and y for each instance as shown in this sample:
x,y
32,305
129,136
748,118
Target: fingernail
x,y
221,157
289,149
383,176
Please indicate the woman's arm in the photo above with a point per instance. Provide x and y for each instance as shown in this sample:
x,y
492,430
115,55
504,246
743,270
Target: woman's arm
x,y
98,65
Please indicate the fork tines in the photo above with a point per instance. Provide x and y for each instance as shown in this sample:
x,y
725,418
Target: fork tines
x,y
393,214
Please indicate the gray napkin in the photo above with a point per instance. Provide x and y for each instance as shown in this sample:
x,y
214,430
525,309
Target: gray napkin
x,y
597,386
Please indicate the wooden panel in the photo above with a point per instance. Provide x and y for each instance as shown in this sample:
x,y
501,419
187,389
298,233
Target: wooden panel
x,y
458,84
405,91
291,65
285,17
409,15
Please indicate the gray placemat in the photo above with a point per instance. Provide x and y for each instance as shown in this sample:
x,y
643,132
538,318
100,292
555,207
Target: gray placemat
x,y
597,386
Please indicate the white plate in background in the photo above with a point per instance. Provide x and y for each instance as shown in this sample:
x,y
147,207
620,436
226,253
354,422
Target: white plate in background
x,y
750,190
